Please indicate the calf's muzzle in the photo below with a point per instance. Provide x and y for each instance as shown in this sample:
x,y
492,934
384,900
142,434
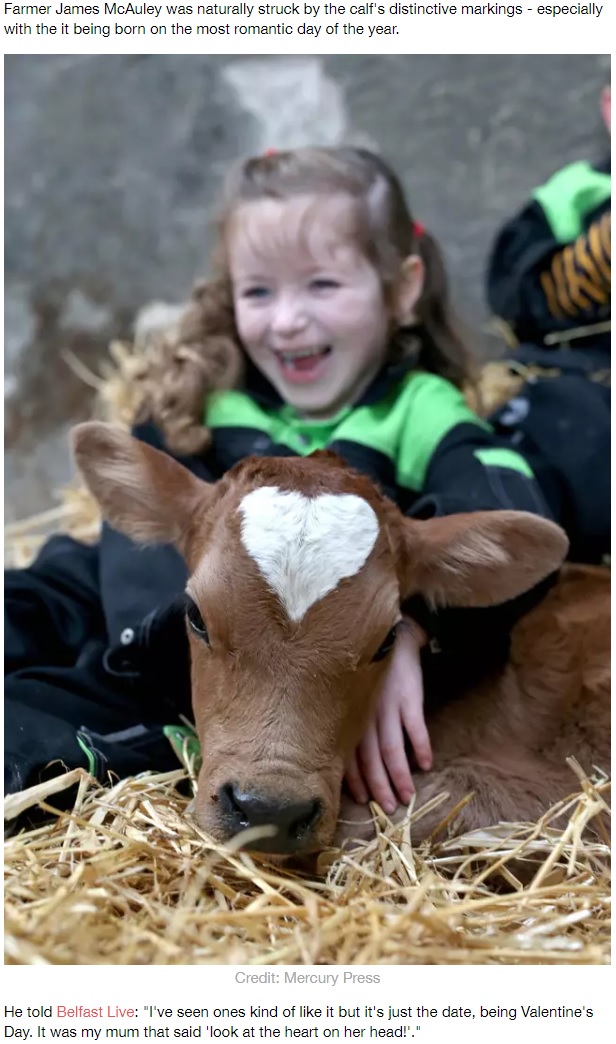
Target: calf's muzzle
x,y
295,821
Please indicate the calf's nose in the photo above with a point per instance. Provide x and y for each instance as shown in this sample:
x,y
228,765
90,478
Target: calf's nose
x,y
294,821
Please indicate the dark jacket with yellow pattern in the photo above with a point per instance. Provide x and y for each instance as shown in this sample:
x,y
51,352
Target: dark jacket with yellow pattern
x,y
550,269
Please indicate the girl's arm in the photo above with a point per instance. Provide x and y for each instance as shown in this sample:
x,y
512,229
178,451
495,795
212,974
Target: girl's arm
x,y
463,469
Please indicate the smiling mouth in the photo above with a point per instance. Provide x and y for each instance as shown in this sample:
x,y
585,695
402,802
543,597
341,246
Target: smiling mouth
x,y
299,356
305,366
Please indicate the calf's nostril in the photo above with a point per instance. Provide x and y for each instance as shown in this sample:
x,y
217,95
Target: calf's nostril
x,y
311,813
231,800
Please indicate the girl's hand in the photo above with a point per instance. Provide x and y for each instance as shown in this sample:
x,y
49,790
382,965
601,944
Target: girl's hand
x,y
380,763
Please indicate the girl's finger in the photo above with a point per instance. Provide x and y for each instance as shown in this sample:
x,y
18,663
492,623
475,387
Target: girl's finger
x,y
391,745
354,781
415,725
373,770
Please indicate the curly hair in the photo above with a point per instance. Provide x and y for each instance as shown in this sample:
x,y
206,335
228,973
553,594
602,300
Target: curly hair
x,y
203,353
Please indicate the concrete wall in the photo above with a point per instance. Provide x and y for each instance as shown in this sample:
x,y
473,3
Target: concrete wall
x,y
112,166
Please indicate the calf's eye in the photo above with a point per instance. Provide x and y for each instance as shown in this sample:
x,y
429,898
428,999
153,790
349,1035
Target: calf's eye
x,y
385,647
196,622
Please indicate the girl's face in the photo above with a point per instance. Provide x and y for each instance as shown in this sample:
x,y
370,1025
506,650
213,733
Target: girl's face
x,y
309,307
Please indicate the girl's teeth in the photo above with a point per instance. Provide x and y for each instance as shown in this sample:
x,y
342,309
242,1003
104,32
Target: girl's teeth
x,y
291,356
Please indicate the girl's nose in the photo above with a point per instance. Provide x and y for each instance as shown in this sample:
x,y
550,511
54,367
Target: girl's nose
x,y
289,315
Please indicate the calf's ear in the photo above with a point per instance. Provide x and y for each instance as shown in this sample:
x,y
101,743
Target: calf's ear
x,y
479,559
140,491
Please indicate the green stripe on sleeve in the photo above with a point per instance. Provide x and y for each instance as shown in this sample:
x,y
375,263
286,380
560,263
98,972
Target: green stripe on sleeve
x,y
570,195
493,457
437,407
409,424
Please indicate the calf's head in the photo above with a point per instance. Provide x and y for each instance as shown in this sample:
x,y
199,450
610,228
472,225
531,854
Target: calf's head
x,y
298,568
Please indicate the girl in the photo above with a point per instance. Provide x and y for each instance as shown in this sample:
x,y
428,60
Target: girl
x,y
326,325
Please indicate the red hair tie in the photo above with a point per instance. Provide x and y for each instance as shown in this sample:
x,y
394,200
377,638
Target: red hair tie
x,y
418,229
270,152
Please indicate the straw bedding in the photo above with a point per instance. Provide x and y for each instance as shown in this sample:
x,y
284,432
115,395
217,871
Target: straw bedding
x,y
125,877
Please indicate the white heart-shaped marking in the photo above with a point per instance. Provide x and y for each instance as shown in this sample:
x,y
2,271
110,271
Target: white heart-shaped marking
x,y
304,546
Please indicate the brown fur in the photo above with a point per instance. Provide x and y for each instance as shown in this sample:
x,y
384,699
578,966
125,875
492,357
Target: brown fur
x,y
279,705
507,742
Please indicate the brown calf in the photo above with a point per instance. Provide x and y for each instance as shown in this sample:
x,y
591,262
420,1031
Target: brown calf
x,y
298,568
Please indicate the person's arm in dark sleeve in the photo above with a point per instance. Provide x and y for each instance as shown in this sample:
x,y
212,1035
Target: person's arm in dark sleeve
x,y
453,459
471,472
467,644
543,286
550,267
463,468
53,606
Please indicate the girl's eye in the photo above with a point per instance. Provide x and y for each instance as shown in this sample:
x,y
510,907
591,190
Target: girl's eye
x,y
324,284
385,647
195,621
255,292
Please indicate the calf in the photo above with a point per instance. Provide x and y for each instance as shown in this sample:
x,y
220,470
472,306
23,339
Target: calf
x,y
298,568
